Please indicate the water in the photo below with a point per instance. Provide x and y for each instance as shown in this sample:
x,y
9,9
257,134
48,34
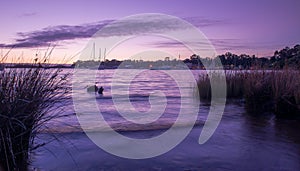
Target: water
x,y
241,141
150,91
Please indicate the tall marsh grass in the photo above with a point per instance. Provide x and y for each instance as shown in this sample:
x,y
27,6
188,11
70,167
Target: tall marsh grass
x,y
285,87
234,84
257,91
277,91
27,97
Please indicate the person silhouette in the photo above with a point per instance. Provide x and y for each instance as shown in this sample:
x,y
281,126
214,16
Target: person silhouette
x,y
100,90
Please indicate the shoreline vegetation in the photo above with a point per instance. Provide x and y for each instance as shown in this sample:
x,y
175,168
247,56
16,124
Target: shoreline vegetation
x,y
27,96
276,91
281,59
288,57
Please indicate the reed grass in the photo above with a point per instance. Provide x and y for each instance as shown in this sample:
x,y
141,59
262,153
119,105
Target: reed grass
x,y
257,91
27,97
277,90
234,84
204,87
285,87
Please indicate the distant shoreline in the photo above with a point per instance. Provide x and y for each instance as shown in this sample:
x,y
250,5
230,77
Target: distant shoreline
x,y
34,65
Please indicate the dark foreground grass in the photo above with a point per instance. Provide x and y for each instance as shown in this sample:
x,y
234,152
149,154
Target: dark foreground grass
x,y
27,96
276,91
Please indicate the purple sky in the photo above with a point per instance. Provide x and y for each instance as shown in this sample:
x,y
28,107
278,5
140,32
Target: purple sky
x,y
249,26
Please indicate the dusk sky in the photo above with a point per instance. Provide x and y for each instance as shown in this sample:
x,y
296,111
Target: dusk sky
x,y
252,27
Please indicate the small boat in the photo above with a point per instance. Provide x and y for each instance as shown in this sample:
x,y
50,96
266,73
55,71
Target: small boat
x,y
93,88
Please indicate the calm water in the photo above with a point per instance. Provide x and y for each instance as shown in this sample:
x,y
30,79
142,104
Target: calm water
x,y
241,141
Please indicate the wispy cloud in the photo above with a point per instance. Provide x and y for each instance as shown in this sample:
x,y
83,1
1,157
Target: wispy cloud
x,y
139,25
206,22
46,36
219,44
28,14
242,44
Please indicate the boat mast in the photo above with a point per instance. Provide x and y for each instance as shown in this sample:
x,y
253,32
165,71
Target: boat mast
x,y
94,53
99,54
104,55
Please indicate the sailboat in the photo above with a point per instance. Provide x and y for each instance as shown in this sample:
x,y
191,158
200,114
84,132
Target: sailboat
x,y
102,64
94,62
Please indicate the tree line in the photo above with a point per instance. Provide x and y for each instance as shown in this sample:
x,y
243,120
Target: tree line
x,y
284,58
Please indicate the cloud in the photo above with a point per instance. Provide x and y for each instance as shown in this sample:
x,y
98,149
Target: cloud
x,y
28,14
219,44
206,22
139,25
50,35
241,44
